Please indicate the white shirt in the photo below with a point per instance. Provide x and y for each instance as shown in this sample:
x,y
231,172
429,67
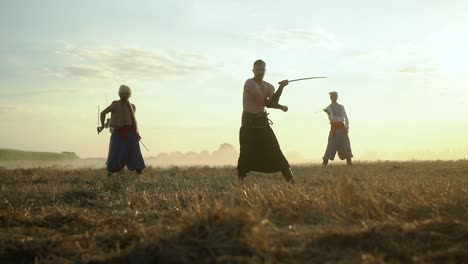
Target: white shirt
x,y
337,113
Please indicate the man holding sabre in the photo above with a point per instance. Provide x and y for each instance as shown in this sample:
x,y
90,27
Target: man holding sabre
x,y
259,148
124,147
338,139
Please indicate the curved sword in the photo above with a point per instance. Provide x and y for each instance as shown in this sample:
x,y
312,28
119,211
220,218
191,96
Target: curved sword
x,y
308,78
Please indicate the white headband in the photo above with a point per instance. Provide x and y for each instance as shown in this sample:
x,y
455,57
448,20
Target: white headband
x,y
124,89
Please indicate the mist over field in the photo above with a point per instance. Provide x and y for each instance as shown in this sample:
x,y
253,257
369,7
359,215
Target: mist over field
x,y
225,155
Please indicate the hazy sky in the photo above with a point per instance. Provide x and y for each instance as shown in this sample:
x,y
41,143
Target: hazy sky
x,y
400,67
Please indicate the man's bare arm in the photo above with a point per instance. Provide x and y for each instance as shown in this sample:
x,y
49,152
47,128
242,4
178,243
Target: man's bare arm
x,y
273,102
277,95
104,113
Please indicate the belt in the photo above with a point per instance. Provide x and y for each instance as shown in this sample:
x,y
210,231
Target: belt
x,y
256,120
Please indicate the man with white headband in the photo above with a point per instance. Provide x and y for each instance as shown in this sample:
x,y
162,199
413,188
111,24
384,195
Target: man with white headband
x,y
124,148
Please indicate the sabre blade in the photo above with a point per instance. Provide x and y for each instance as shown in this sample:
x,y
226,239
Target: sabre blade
x,y
144,146
97,128
308,78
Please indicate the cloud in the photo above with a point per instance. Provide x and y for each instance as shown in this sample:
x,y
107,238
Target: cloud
x,y
429,65
77,71
11,112
81,71
354,54
6,109
410,59
128,63
52,91
404,54
297,37
418,69
436,54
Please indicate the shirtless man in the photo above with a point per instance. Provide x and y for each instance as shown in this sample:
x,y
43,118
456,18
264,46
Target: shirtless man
x,y
259,148
124,148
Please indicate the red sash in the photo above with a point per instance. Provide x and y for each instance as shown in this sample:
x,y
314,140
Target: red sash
x,y
124,132
337,125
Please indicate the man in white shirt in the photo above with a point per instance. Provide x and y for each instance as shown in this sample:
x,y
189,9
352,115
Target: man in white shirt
x,y
338,139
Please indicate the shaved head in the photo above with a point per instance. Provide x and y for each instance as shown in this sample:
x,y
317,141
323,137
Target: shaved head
x,y
259,68
259,63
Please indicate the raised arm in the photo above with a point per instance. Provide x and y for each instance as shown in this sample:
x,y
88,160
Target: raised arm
x,y
277,95
273,99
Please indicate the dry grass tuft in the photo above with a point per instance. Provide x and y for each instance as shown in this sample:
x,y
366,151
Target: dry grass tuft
x,y
378,212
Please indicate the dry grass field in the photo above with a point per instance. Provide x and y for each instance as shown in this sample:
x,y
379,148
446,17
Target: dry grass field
x,y
388,212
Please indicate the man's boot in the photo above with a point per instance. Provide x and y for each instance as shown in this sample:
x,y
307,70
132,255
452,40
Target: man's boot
x,y
349,162
241,175
325,162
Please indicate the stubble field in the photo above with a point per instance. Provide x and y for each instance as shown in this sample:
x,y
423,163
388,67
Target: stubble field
x,y
388,212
